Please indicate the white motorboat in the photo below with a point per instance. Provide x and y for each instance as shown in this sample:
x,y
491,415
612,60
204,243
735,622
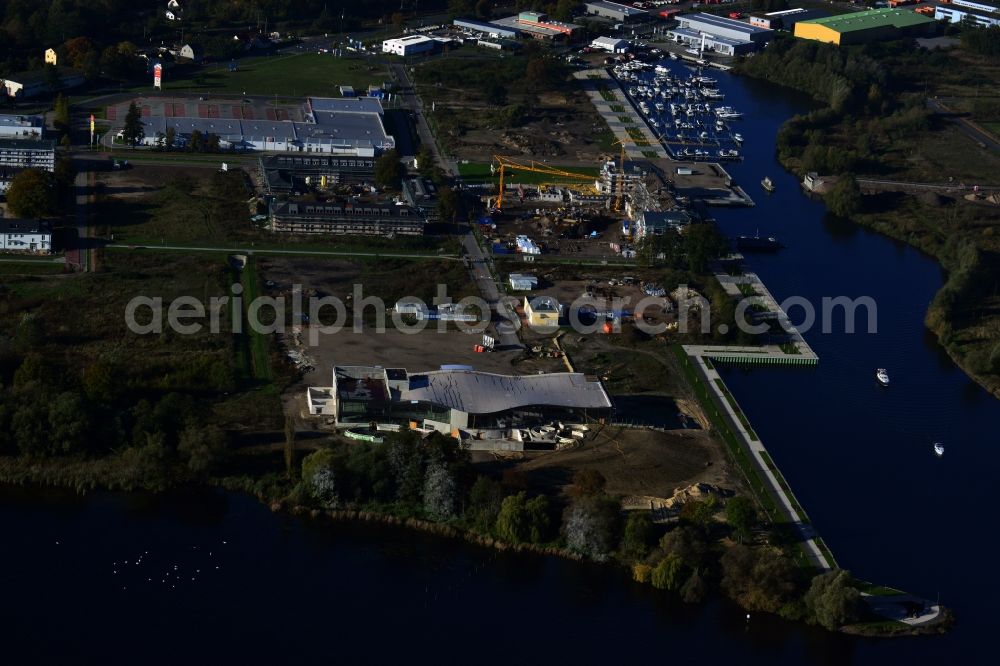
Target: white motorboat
x,y
882,376
938,449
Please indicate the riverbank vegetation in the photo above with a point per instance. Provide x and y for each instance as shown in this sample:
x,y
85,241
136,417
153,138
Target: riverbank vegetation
x,y
713,544
891,114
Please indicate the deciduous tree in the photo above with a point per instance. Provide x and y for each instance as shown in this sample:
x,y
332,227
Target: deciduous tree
x,y
32,193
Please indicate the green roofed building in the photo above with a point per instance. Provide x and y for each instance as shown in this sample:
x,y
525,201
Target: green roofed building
x,y
863,27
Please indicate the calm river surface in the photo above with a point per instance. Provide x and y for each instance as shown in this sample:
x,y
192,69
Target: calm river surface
x,y
138,579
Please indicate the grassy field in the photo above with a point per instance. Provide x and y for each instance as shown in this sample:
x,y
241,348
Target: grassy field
x,y
479,172
212,211
284,75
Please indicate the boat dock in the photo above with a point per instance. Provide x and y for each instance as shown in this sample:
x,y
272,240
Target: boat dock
x,y
794,351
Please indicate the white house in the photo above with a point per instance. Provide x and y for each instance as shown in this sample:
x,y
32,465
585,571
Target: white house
x,y
189,52
409,45
522,282
610,44
174,11
31,84
25,236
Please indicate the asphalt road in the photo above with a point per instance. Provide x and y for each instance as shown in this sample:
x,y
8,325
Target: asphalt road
x,y
480,271
970,129
411,102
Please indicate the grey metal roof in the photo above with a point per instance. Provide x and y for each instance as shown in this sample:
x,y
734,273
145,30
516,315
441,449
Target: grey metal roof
x,y
614,6
486,393
713,21
346,104
16,226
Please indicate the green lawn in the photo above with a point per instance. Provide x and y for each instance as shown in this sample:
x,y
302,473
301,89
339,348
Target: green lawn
x,y
284,75
480,172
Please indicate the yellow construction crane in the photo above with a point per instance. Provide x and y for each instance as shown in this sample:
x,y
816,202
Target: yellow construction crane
x,y
504,164
620,198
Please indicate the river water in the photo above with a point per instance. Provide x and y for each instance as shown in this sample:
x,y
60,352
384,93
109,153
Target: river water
x,y
209,575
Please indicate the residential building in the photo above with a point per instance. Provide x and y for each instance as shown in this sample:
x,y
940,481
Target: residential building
x,y
51,57
491,29
613,177
189,53
459,401
346,218
409,45
25,85
174,11
610,44
958,14
16,155
29,236
542,311
522,282
17,126
658,223
867,26
616,12
722,35
421,194
288,172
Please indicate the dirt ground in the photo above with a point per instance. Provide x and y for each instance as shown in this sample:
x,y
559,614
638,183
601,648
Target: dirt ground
x,y
140,180
636,462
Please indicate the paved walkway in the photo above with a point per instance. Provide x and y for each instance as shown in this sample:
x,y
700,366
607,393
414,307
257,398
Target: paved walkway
x,y
755,448
898,607
594,80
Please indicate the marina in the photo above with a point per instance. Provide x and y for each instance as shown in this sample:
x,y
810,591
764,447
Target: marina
x,y
682,107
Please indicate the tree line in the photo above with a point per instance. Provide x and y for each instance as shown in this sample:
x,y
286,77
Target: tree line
x,y
432,478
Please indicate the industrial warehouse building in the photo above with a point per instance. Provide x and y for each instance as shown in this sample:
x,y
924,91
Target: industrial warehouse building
x,y
722,35
785,19
955,13
491,29
538,25
16,155
287,173
610,44
409,45
864,27
339,126
616,12
352,218
458,401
